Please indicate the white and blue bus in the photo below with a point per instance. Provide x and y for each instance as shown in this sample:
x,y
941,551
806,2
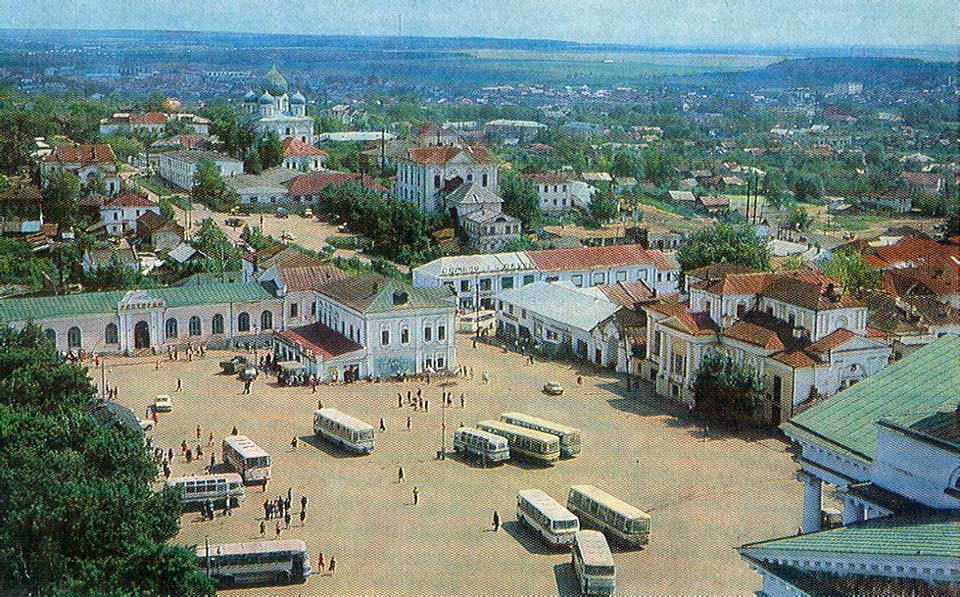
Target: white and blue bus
x,y
535,445
485,446
204,488
599,509
247,458
569,436
545,515
256,562
343,430
593,563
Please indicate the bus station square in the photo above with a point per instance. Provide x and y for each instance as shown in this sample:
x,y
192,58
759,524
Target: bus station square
x,y
707,492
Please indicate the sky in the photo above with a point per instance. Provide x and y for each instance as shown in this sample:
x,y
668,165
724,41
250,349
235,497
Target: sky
x,y
654,23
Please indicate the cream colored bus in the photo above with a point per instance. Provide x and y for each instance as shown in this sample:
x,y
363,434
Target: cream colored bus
x,y
612,515
535,445
593,563
545,515
569,436
204,488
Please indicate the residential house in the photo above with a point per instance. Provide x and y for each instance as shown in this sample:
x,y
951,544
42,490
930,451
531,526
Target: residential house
x,y
479,211
683,197
930,183
556,193
296,275
888,446
299,156
179,167
427,174
83,161
895,201
431,134
797,330
158,232
308,188
267,188
119,214
713,204
127,123
105,256
519,131
372,326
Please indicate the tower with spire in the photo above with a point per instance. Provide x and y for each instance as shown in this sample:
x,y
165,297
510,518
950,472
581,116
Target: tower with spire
x,y
270,107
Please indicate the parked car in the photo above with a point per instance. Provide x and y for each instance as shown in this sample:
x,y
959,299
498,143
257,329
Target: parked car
x,y
248,373
282,212
234,222
288,236
234,365
145,424
162,403
553,389
308,213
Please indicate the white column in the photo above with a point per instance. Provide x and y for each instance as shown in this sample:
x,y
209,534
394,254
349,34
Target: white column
x,y
812,502
852,512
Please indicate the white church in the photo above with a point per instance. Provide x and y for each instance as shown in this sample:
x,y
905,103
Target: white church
x,y
274,110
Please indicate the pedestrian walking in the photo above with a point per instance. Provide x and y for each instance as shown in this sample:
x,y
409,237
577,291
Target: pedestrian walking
x,y
155,418
416,496
579,380
278,529
303,502
293,442
426,406
263,529
170,454
166,472
286,520
409,397
321,565
264,485
210,439
399,399
198,432
485,377
199,451
303,516
382,426
289,495
213,461
496,521
333,565
400,475
461,400
158,365
179,385
234,431
408,423
266,510
189,455
183,447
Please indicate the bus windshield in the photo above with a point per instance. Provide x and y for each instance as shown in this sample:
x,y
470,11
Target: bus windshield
x,y
258,461
559,525
598,570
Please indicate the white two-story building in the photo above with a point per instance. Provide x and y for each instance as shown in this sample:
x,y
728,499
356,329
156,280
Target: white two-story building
x,y
179,167
426,175
120,213
83,161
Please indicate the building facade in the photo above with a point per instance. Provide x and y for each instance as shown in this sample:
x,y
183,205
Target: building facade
x,y
179,167
426,175
83,161
271,109
119,214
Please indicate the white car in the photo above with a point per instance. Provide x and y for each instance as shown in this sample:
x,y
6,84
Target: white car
x,y
162,403
146,424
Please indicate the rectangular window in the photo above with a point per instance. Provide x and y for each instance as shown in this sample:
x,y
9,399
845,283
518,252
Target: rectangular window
x,y
485,284
621,276
527,279
577,280
441,332
506,283
385,338
313,309
599,278
678,364
427,333
523,313
404,336
510,309
464,285
293,310
657,338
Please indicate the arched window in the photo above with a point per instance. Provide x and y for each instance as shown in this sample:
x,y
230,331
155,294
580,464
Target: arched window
x,y
266,320
171,328
195,326
110,335
217,324
483,179
51,335
73,337
243,322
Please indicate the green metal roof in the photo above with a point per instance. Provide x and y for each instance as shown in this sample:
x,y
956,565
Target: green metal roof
x,y
374,293
74,305
936,535
922,383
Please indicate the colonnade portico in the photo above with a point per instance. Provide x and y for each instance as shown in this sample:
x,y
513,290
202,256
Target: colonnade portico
x,y
812,501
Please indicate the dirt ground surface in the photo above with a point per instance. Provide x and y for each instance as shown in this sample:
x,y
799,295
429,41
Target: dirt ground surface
x,y
706,493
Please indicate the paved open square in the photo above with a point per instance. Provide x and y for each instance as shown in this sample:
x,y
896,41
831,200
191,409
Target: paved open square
x,y
706,494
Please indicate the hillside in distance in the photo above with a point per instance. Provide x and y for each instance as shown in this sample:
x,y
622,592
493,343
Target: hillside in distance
x,y
825,71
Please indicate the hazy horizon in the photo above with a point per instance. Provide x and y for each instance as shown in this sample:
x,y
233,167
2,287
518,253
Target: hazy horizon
x,y
752,24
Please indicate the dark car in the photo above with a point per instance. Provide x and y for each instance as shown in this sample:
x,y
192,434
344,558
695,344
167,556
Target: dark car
x,y
235,365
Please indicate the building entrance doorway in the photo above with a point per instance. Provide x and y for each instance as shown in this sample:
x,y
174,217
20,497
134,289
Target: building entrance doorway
x,y
141,335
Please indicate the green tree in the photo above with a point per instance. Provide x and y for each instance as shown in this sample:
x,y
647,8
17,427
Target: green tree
x,y
89,521
220,254
724,243
209,188
60,197
726,389
603,207
256,238
95,185
849,270
166,209
253,164
125,147
270,149
520,199
797,218
625,164
775,188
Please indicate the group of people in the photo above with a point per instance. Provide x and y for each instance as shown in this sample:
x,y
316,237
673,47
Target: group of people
x,y
279,509
208,513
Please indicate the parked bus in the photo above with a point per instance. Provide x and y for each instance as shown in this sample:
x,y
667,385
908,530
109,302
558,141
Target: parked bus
x,y
569,436
536,445
258,562
344,430
601,510
593,563
486,446
246,457
545,515
201,489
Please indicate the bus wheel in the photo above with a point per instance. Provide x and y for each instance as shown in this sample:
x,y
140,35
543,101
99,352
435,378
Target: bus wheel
x,y
283,578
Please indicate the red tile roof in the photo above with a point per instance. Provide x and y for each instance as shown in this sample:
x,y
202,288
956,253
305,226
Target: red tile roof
x,y
913,251
581,258
430,130
540,178
627,294
312,183
938,280
809,289
736,284
795,359
921,179
441,154
321,340
129,199
81,154
306,278
697,324
293,147
757,335
717,271
148,118
714,201
837,337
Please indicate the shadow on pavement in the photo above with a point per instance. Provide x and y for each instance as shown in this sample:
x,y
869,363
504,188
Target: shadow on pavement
x,y
325,446
530,539
567,583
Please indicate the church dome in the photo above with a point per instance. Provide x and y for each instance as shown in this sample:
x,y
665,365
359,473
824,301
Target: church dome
x,y
251,97
298,98
274,83
265,99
